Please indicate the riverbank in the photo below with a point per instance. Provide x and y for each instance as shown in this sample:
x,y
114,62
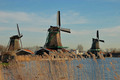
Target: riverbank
x,y
117,54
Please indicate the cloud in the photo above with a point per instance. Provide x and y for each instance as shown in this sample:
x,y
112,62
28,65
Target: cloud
x,y
37,23
72,17
81,32
32,22
30,29
113,31
8,17
110,32
35,29
22,17
6,29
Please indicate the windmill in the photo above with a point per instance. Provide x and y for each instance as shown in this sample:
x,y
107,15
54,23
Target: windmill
x,y
15,48
13,45
95,43
53,40
15,42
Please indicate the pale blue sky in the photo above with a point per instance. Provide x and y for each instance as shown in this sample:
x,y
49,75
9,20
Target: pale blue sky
x,y
83,17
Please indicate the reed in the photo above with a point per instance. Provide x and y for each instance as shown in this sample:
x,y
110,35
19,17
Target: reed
x,y
57,66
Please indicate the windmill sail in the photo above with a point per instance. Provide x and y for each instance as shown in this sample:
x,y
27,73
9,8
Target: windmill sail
x,y
59,24
97,34
18,30
19,34
101,40
58,19
98,37
65,30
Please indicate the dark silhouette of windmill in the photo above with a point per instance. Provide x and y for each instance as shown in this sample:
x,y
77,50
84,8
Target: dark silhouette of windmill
x,y
53,40
95,43
15,42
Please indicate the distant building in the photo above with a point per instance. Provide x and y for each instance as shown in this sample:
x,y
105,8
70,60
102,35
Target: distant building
x,y
76,51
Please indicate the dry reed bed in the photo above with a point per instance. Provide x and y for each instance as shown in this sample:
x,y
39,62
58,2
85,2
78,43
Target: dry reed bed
x,y
57,66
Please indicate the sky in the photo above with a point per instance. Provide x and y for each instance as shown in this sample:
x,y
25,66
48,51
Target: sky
x,y
82,17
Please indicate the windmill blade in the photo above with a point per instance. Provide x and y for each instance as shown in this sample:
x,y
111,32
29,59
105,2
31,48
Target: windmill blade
x,y
21,43
58,19
19,35
18,30
97,34
101,40
65,30
8,45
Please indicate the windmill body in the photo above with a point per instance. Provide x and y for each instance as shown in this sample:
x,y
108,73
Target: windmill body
x,y
53,40
95,44
14,43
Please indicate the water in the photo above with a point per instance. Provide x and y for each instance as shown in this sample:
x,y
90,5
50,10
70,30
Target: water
x,y
106,69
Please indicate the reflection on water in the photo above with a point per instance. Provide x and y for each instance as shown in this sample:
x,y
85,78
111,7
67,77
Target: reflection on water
x,y
83,69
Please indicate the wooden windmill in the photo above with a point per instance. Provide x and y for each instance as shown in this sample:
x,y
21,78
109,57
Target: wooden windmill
x,y
15,42
95,43
53,40
15,48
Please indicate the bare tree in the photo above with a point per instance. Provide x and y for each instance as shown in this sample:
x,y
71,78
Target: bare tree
x,y
2,48
80,48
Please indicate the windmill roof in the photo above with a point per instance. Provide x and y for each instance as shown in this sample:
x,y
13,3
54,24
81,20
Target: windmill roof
x,y
24,51
43,49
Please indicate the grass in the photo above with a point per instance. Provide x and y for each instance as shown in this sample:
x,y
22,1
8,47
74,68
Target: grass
x,y
4,64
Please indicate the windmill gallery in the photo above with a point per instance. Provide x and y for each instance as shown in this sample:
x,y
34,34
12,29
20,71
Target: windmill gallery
x,y
53,43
